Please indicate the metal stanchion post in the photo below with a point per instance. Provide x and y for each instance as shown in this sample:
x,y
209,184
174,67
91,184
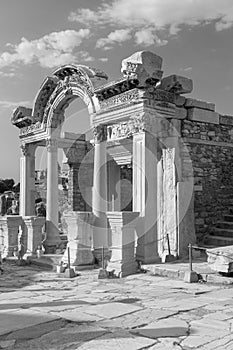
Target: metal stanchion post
x,y
190,276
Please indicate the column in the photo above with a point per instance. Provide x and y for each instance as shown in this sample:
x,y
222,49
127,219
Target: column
x,y
114,186
52,233
99,199
145,195
27,180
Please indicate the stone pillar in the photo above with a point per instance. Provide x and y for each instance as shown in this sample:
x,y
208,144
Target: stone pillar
x,y
145,195
52,233
80,238
27,180
99,197
123,260
75,155
114,186
33,234
9,231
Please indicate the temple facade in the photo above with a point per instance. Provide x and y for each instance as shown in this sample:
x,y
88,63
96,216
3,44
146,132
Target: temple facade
x,y
171,149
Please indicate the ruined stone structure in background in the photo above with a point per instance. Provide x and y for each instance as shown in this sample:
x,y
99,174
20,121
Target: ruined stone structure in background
x,y
173,152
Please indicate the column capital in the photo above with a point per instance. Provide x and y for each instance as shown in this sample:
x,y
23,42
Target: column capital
x,y
51,145
28,149
100,133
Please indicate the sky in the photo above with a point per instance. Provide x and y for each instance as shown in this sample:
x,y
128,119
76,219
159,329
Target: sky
x,y
194,38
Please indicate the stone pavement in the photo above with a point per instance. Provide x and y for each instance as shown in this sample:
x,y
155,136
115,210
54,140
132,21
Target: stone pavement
x,y
41,310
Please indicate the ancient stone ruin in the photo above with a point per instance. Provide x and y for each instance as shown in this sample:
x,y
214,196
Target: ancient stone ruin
x,y
174,151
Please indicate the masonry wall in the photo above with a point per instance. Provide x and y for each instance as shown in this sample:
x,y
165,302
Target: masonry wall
x,y
210,148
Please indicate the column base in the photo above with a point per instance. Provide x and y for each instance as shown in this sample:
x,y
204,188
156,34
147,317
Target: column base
x,y
123,260
122,269
80,237
52,240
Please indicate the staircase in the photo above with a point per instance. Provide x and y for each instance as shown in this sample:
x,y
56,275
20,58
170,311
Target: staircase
x,y
222,232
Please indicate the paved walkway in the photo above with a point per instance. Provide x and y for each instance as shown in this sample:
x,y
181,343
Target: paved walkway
x,y
40,310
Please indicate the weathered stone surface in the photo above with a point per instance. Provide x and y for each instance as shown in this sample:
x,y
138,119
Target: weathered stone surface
x,y
18,319
144,66
221,259
163,328
179,100
118,340
202,115
180,113
191,102
226,119
111,310
177,84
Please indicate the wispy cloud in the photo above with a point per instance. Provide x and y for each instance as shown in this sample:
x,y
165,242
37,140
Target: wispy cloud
x,y
158,18
49,51
5,104
118,36
186,69
103,59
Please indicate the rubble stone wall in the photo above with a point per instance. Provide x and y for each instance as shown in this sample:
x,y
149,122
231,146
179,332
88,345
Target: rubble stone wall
x,y
210,148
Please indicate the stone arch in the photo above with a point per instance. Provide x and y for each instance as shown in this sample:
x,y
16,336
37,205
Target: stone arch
x,y
72,81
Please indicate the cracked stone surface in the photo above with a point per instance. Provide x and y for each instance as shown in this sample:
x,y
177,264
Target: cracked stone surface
x,y
40,310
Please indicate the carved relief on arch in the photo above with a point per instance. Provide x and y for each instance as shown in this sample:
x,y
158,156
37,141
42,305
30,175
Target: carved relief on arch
x,y
74,81
42,98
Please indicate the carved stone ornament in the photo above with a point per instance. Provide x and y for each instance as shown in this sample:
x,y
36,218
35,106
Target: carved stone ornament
x,y
100,133
25,149
51,145
127,129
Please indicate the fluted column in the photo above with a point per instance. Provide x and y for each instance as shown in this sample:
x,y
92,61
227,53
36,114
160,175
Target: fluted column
x,y
27,180
99,201
52,234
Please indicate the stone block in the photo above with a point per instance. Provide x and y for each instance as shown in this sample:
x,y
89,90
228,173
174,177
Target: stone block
x,y
145,66
226,119
190,277
203,115
179,100
191,102
177,84
220,259
122,262
180,113
80,238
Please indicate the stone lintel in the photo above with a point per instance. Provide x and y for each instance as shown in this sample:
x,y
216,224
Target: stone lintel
x,y
226,119
203,116
190,103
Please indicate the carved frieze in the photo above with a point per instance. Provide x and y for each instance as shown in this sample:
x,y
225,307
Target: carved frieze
x,y
100,133
126,129
30,129
125,97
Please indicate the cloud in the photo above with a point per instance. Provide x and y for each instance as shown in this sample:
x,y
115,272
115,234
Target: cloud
x,y
118,36
186,69
158,18
12,104
148,37
50,51
103,59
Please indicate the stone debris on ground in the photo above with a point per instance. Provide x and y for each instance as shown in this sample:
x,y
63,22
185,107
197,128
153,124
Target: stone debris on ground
x,y
39,309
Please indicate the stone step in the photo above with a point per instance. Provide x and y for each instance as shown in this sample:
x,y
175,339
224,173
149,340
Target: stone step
x,y
224,232
219,241
228,218
225,224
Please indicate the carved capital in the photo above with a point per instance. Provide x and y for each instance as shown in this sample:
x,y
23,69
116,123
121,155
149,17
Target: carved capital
x,y
28,150
25,150
51,145
100,133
